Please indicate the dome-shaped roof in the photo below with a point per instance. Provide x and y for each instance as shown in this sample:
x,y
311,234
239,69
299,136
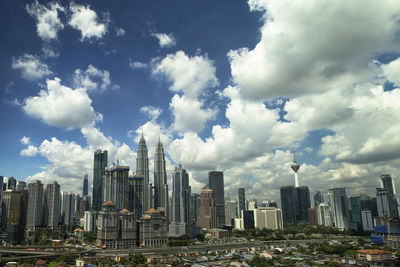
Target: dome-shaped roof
x,y
124,211
108,203
152,210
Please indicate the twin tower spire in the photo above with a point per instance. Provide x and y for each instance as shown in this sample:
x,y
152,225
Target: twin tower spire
x,y
154,196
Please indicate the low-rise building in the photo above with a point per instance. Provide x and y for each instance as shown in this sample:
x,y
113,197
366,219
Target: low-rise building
x,y
374,255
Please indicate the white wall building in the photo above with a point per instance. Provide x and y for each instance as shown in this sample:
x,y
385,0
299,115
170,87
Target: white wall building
x,y
268,217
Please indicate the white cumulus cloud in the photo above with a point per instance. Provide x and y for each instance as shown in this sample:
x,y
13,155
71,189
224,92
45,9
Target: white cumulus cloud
x,y
164,39
93,79
86,21
31,66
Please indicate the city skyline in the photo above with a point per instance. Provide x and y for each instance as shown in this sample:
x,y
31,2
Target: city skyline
x,y
68,91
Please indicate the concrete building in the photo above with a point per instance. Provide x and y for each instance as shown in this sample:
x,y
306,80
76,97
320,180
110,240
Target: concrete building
x,y
303,203
21,185
13,222
153,229
99,165
11,183
313,216
90,218
247,217
142,170
68,206
53,205
35,205
289,204
366,220
115,185
251,204
180,217
136,187
386,201
116,229
324,214
318,198
339,207
160,181
216,183
268,217
207,212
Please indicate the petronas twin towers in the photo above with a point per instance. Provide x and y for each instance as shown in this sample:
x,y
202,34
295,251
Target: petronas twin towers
x,y
159,198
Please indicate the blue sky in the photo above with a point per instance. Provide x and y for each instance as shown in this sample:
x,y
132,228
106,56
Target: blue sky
x,y
227,85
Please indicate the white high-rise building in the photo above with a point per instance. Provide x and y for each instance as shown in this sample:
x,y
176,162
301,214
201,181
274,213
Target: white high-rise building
x,y
324,214
268,217
366,220
339,208
180,217
90,221
35,205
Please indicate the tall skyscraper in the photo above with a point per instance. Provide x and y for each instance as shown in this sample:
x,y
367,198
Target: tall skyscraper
x,y
194,207
180,203
318,198
207,211
160,181
115,186
1,193
242,200
289,204
324,214
100,163
142,169
136,195
339,207
387,183
35,205
303,203
53,205
68,204
392,205
13,219
11,183
355,210
85,188
21,185
216,183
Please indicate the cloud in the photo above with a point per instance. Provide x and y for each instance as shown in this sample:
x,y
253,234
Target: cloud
x,y
8,87
392,71
137,64
189,75
299,52
49,51
164,39
93,79
152,112
31,66
30,151
25,140
61,106
119,32
85,20
48,22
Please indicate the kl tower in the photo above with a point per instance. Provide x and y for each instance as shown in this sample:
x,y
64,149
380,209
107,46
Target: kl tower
x,y
295,167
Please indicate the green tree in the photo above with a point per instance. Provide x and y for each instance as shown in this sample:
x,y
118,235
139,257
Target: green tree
x,y
67,258
258,261
137,259
89,237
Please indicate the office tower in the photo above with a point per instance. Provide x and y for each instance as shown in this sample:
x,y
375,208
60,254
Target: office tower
x,y
242,200
340,208
85,188
68,208
142,169
194,207
11,183
355,210
251,204
268,217
35,205
247,218
367,203
12,220
207,212
324,214
90,221
160,181
386,203
21,185
313,216
53,205
99,165
84,206
216,183
115,186
318,198
228,217
289,204
180,203
388,184
295,167
303,203
366,220
1,195
136,195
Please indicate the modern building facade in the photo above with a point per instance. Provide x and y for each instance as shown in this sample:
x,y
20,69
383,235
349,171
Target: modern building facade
x,y
303,203
268,217
194,207
318,198
160,181
136,194
180,217
207,212
242,200
339,207
99,166
216,183
53,205
289,204
324,214
35,205
12,220
85,187
115,186
68,206
313,216
142,170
